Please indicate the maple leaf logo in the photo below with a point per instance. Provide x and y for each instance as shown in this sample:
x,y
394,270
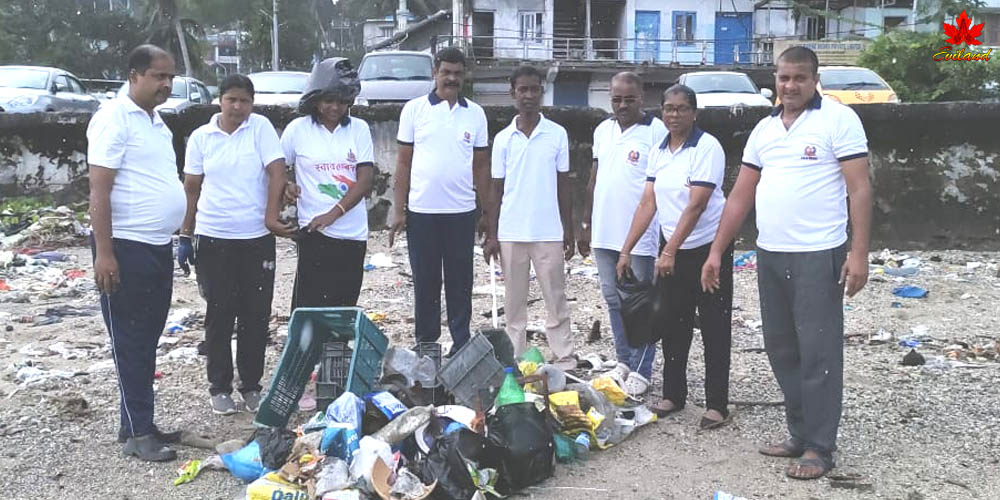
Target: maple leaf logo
x,y
961,32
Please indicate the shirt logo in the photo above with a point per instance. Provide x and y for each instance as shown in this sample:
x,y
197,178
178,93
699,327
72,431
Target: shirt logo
x,y
350,156
468,137
810,153
633,157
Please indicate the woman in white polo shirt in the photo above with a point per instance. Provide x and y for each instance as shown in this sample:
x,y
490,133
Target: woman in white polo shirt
x,y
234,177
332,156
684,191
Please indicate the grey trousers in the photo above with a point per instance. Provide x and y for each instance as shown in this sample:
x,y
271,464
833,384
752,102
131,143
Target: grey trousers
x,y
801,306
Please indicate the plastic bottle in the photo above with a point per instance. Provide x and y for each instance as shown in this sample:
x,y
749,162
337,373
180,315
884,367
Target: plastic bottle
x,y
510,392
582,444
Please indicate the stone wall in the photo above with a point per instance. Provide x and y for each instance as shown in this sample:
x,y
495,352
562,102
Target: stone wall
x,y
935,167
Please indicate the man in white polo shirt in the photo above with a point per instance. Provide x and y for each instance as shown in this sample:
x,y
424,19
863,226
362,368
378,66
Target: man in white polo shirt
x,y
530,215
443,140
621,151
802,165
136,204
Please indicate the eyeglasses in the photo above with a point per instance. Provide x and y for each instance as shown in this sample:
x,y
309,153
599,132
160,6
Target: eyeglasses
x,y
680,110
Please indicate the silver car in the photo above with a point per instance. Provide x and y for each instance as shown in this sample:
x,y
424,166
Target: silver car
x,y
186,92
27,89
394,77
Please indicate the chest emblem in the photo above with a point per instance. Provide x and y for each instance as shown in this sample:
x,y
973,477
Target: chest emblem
x,y
350,156
633,157
810,153
468,137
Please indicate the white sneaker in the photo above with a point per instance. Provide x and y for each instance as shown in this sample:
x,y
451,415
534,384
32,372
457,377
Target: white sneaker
x,y
636,385
621,370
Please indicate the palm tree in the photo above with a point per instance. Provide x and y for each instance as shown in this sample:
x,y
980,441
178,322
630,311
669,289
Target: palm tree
x,y
169,30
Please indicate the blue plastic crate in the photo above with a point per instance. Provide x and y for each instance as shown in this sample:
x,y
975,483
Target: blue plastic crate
x,y
308,329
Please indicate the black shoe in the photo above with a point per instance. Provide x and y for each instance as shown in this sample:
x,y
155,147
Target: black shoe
x,y
149,448
164,437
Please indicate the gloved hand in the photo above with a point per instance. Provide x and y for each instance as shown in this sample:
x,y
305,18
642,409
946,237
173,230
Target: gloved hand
x,y
185,254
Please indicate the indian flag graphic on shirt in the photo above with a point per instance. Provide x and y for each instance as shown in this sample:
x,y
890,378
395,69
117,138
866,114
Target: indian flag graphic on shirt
x,y
338,189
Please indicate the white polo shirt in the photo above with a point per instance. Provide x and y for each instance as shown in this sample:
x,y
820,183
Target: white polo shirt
x,y
233,197
326,167
700,161
802,195
147,196
529,166
622,157
443,140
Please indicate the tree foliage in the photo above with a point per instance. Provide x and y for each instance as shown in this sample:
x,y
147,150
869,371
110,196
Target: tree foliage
x,y
905,60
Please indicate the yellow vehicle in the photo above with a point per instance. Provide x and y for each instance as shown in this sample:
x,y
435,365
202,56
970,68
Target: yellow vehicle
x,y
854,85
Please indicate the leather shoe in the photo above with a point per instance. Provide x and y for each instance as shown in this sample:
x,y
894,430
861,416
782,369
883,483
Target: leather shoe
x,y
164,437
148,448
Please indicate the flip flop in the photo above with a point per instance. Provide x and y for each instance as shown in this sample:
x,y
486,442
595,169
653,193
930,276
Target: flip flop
x,y
660,412
789,449
822,464
707,424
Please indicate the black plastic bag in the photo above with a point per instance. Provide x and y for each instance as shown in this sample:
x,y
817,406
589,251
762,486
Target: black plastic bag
x,y
525,444
334,77
275,446
446,464
641,303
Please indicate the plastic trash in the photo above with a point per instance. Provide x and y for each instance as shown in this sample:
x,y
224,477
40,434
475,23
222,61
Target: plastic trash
x,y
565,448
905,271
381,261
245,463
525,445
346,409
407,486
334,475
610,389
370,450
582,444
510,391
913,358
416,369
273,486
555,377
640,308
722,495
388,404
404,425
187,472
340,440
746,261
533,355
910,292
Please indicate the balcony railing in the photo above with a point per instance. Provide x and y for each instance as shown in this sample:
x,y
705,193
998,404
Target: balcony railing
x,y
636,50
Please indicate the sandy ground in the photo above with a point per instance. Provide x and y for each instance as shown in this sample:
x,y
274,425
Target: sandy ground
x,y
907,432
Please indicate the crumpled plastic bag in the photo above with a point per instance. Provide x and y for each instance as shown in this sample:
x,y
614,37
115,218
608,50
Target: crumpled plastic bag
x,y
272,486
370,450
334,476
245,463
348,408
610,389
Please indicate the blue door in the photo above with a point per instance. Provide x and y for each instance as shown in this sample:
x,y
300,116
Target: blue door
x,y
647,35
732,32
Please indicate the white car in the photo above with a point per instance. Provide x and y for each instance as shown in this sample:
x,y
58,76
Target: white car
x,y
725,89
186,92
394,76
278,88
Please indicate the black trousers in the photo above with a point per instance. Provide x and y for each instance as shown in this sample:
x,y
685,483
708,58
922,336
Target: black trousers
x,y
439,242
683,295
237,281
329,271
135,316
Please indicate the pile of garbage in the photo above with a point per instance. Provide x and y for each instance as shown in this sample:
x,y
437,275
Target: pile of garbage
x,y
43,227
482,425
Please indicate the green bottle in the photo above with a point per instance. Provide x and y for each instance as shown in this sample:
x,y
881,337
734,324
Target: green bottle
x,y
510,392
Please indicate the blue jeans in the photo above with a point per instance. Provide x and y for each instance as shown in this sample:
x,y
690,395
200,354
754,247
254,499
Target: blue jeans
x,y
638,359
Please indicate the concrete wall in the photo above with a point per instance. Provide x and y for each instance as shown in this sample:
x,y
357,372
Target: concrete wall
x,y
935,167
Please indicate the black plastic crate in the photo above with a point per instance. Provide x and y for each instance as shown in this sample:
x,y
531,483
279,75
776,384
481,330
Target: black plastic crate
x,y
334,365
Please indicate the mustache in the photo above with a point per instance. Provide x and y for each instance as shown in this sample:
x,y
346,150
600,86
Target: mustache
x,y
451,84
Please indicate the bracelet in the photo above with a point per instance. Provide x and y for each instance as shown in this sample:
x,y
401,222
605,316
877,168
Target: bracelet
x,y
342,211
665,253
185,235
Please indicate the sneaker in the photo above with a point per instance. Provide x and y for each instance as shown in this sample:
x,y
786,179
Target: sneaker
x,y
251,401
223,404
621,370
148,448
636,385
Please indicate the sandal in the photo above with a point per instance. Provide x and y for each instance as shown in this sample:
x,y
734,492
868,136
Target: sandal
x,y
786,449
707,424
661,412
819,467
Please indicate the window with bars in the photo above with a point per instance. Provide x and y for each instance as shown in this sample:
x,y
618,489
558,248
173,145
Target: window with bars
x,y
684,24
531,26
815,28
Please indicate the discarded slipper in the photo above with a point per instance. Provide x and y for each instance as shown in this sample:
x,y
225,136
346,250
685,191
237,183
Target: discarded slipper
x,y
636,385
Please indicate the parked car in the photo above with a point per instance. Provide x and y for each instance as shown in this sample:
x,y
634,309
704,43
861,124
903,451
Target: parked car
x,y
186,92
725,89
26,89
394,77
854,85
278,88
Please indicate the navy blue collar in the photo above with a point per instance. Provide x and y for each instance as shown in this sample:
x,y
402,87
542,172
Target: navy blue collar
x,y
345,120
691,142
647,119
434,99
815,103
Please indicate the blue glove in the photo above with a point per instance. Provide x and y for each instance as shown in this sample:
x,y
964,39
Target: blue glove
x,y
185,254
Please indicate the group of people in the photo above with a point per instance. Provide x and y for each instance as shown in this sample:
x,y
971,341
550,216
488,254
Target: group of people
x,y
654,209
